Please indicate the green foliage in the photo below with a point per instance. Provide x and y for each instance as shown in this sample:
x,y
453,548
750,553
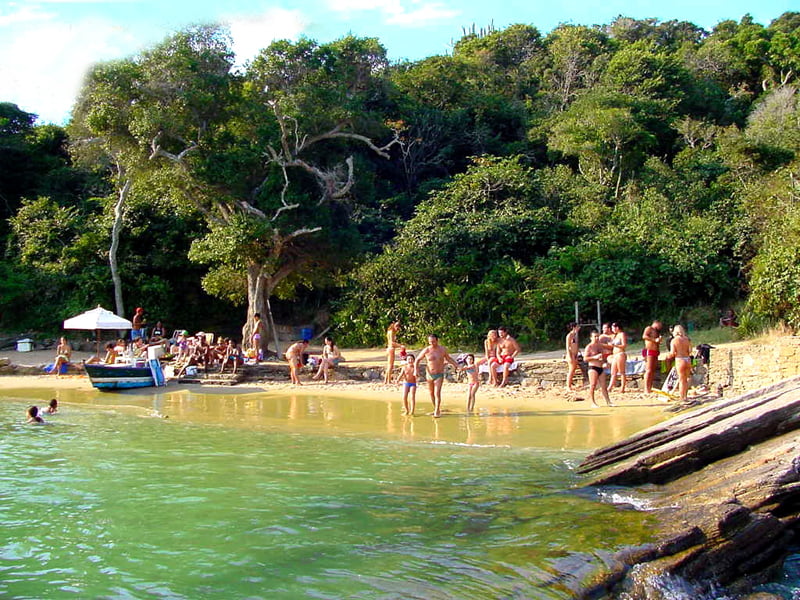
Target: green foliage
x,y
649,165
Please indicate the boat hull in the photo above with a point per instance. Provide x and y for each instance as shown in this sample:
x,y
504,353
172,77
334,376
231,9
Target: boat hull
x,y
113,377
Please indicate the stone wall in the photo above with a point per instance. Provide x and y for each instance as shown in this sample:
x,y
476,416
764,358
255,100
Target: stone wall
x,y
750,365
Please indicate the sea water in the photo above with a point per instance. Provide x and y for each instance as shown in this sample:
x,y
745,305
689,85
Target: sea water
x,y
253,495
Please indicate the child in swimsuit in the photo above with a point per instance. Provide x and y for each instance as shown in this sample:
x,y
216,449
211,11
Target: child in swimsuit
x,y
408,374
471,369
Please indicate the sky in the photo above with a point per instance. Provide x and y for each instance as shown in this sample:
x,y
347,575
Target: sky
x,y
46,46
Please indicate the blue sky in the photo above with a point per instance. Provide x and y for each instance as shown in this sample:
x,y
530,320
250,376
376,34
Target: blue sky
x,y
47,45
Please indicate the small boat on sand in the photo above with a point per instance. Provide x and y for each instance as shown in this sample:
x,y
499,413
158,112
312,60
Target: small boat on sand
x,y
124,376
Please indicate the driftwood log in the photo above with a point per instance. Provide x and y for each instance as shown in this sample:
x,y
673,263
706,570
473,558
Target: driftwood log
x,y
724,483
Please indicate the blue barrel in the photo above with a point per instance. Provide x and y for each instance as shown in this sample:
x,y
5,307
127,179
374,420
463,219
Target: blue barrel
x,y
306,333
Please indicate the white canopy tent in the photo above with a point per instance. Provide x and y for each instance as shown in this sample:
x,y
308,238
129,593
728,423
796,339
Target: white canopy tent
x,y
97,319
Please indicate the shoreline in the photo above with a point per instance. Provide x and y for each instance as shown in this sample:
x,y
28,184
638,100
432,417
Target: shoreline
x,y
454,394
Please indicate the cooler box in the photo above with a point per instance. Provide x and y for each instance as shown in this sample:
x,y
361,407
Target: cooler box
x,y
25,345
306,333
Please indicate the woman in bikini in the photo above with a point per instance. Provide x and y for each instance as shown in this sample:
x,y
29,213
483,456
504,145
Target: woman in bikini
x,y
491,349
391,347
619,358
680,348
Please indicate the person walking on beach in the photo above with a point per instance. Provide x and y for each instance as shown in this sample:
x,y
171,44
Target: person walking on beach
x,y
391,347
681,350
594,354
572,351
619,359
652,343
435,356
295,357
509,348
408,375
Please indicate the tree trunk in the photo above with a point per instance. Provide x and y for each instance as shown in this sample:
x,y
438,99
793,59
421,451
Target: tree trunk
x,y
258,294
112,252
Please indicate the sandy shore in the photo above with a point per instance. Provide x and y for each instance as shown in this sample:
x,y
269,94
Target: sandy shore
x,y
454,394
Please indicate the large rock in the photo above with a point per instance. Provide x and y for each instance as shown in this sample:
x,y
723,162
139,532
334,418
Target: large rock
x,y
726,495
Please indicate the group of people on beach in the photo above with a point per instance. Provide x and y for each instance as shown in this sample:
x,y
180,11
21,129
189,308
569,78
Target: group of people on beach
x,y
500,352
606,351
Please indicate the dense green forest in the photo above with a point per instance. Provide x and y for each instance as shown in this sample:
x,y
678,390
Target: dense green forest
x,y
651,166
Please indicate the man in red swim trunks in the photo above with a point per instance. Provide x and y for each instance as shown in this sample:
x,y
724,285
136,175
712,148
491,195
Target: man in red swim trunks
x,y
652,343
509,348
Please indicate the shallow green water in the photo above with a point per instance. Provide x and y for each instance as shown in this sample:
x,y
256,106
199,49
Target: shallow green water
x,y
258,496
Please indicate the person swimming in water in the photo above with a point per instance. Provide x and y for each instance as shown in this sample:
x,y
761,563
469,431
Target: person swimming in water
x,y
33,415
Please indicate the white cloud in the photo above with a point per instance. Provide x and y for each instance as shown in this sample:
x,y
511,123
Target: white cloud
x,y
254,33
23,14
399,12
50,61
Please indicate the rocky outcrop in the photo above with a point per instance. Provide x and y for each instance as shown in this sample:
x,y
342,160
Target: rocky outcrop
x,y
727,495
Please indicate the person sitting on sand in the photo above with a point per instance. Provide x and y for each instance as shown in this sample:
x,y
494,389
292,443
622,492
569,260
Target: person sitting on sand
x,y
63,355
619,359
572,351
408,375
33,415
594,355
680,349
157,335
294,355
331,356
509,348
52,408
232,355
436,356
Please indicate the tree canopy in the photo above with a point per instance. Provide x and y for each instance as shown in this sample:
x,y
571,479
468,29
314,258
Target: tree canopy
x,y
649,165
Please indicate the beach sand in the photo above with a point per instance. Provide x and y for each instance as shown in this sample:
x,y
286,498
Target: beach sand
x,y
513,397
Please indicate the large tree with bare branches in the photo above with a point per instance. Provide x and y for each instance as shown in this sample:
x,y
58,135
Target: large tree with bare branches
x,y
267,155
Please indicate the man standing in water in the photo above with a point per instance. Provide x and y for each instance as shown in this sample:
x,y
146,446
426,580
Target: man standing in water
x,y
436,356
652,342
509,348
